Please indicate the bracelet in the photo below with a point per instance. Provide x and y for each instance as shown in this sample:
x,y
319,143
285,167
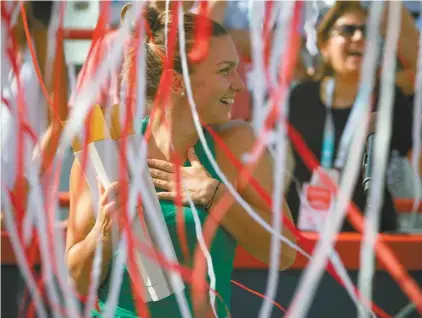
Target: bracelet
x,y
210,202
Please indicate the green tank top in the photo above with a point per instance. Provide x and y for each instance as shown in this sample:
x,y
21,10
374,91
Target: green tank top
x,y
222,253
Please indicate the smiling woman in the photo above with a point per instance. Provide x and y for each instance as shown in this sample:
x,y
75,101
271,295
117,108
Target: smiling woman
x,y
328,103
215,82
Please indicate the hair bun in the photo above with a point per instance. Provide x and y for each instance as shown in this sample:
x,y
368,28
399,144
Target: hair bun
x,y
152,15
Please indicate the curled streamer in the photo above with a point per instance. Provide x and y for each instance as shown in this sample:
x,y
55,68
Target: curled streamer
x,y
382,143
278,188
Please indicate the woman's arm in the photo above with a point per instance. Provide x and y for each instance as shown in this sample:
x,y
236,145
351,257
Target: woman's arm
x,y
408,41
407,50
83,233
239,137
253,237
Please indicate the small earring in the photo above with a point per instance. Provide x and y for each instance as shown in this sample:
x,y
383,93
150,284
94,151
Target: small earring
x,y
182,93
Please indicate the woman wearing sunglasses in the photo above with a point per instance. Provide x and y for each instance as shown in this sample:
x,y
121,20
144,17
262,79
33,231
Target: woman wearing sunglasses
x,y
322,112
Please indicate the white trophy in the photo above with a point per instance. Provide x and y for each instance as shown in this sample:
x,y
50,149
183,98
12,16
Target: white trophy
x,y
103,161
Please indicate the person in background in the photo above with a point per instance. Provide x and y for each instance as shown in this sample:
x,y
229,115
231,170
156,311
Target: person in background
x,y
320,110
39,113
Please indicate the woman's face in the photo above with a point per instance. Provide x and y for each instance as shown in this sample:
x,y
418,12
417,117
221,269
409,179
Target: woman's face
x,y
344,48
215,81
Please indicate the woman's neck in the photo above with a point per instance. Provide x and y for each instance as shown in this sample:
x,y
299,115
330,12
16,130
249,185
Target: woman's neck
x,y
176,134
345,91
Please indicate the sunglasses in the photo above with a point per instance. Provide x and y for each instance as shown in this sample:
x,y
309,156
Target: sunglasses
x,y
349,30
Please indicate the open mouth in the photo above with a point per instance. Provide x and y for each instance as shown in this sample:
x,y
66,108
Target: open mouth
x,y
355,53
227,101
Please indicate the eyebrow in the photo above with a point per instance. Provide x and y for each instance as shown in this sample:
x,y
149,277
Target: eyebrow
x,y
353,24
229,63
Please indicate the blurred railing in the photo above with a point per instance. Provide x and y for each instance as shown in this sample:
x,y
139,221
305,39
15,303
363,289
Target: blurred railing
x,y
407,248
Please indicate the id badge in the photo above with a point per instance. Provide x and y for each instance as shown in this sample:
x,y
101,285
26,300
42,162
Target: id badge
x,y
317,202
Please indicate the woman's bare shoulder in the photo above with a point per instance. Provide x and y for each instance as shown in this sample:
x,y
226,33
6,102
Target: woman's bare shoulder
x,y
236,134
238,137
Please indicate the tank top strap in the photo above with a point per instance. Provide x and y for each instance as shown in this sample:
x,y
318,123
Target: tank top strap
x,y
202,156
199,149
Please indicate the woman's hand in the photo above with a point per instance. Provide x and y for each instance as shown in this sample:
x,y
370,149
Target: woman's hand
x,y
200,185
110,203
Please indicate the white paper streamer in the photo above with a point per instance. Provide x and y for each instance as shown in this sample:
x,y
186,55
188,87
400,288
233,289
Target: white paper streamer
x,y
382,143
417,136
277,215
258,81
205,251
280,43
166,26
5,65
310,24
141,78
309,281
281,147
335,259
406,311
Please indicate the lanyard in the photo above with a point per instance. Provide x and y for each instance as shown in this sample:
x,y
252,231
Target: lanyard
x,y
328,142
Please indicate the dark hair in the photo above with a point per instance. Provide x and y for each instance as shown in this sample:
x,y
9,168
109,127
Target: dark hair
x,y
42,11
154,44
328,21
